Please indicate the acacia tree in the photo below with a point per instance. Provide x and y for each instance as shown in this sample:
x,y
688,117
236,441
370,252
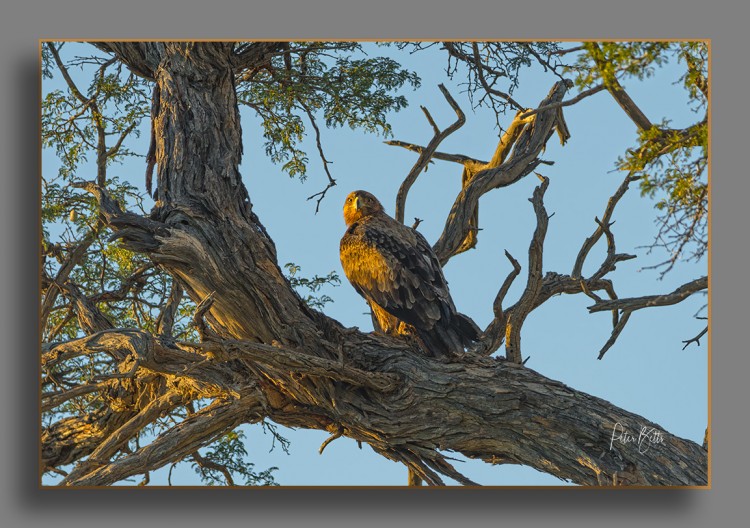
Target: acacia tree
x,y
171,328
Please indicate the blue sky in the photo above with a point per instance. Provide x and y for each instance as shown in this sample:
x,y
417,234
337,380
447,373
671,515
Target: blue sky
x,y
645,372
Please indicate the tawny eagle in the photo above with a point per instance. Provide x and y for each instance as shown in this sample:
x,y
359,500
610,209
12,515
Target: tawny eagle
x,y
394,268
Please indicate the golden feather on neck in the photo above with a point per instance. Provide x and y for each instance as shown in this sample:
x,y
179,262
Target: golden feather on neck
x,y
360,204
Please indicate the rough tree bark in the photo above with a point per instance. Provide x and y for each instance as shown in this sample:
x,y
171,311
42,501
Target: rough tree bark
x,y
272,356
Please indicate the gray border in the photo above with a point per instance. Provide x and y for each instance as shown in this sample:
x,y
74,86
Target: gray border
x,y
23,504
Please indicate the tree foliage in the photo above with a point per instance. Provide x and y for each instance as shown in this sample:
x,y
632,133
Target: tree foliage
x,y
672,164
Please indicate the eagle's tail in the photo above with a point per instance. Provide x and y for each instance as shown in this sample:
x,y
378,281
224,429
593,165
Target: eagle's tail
x,y
445,340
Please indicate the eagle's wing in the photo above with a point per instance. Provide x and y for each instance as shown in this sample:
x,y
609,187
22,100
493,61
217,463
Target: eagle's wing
x,y
395,267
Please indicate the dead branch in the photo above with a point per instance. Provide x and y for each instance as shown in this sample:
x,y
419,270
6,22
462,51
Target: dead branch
x,y
695,339
426,154
331,181
647,301
525,304
494,334
612,256
589,243
480,74
455,158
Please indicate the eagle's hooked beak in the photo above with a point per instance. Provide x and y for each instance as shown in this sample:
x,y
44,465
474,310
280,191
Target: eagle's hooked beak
x,y
356,203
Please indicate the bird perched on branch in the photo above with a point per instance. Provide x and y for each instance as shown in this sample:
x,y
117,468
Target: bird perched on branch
x,y
394,268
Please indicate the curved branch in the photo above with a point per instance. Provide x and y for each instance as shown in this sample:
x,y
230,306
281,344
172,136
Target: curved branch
x,y
523,161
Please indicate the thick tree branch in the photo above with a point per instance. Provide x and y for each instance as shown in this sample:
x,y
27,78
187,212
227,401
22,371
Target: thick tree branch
x,y
528,419
90,318
256,54
521,162
104,451
297,362
178,442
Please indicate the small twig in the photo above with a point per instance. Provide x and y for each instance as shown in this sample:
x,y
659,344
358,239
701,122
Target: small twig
x,y
321,195
416,223
615,333
566,51
331,181
695,339
338,434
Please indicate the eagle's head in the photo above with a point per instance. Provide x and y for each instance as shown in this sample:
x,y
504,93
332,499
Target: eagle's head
x,y
360,204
